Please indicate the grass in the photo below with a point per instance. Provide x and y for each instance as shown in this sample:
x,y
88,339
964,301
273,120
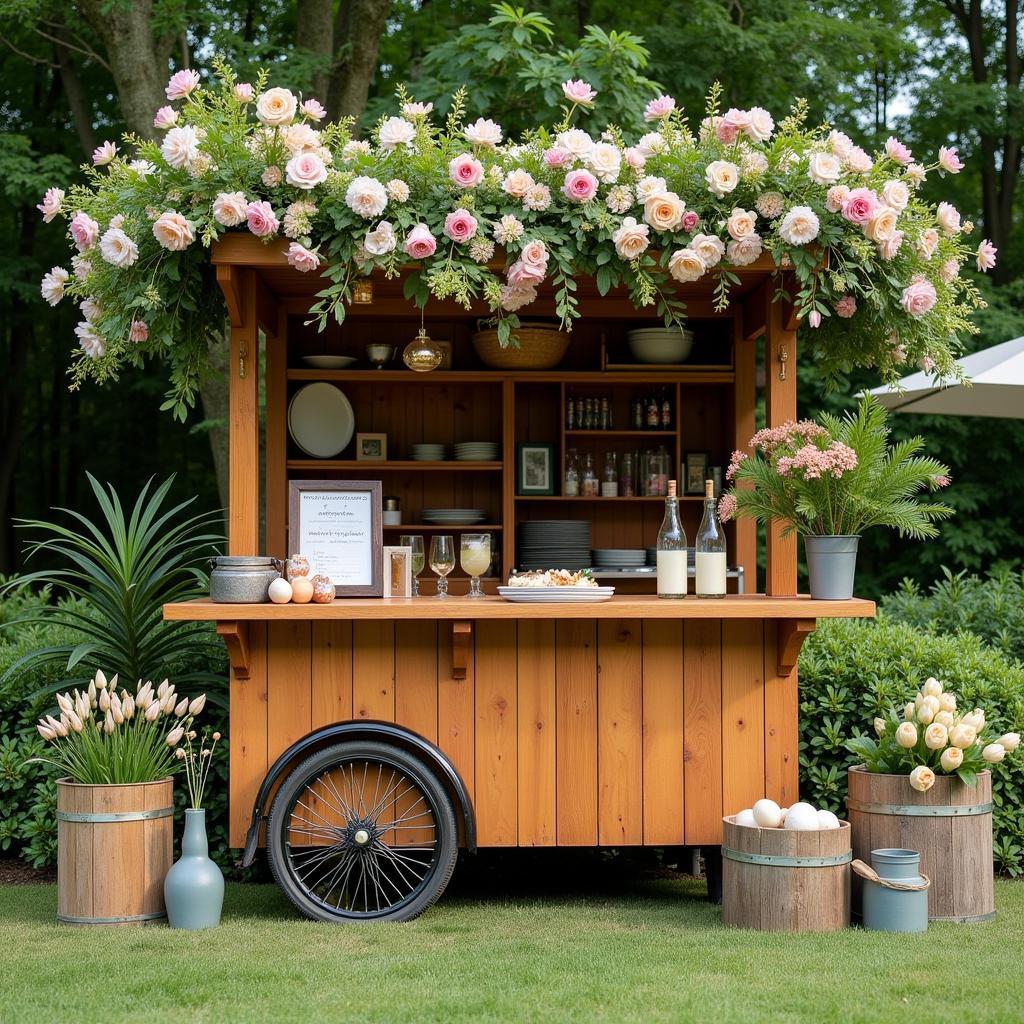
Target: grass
x,y
611,950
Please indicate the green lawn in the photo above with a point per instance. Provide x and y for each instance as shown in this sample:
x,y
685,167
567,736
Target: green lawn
x,y
614,950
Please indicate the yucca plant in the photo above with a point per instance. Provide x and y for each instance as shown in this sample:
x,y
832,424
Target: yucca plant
x,y
119,571
837,476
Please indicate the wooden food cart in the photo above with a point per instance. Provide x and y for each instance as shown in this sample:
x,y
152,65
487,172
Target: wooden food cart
x,y
370,738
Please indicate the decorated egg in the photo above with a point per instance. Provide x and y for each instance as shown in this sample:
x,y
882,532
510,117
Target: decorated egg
x,y
298,565
826,819
746,818
323,589
802,818
767,814
302,590
280,591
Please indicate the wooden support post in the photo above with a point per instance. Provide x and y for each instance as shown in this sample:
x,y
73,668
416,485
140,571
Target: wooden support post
x,y
236,640
462,636
243,421
275,448
791,636
745,405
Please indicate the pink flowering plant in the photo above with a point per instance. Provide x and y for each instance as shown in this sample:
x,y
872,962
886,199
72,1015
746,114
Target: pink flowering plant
x,y
837,476
465,212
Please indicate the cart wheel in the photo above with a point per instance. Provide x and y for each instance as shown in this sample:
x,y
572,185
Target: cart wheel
x,y
362,831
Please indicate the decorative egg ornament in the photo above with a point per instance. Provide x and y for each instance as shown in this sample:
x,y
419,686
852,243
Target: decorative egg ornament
x,y
767,813
280,591
323,589
298,565
827,820
802,818
746,818
302,590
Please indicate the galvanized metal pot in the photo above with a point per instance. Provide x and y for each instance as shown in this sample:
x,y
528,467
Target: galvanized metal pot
x,y
194,887
831,566
887,905
242,579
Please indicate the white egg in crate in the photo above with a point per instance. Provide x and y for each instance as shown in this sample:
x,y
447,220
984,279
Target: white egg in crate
x,y
746,818
802,818
767,813
827,820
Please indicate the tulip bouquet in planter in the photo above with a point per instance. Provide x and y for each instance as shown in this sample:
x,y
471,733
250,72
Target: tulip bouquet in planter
x,y
106,737
930,735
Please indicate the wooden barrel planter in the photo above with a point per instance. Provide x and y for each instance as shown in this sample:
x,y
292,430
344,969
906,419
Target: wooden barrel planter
x,y
950,826
114,847
782,880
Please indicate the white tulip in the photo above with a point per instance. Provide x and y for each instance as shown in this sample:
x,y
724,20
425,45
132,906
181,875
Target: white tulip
x,y
153,712
175,735
906,735
197,705
932,687
104,700
108,723
880,726
952,758
128,706
82,706
92,693
963,735
922,778
75,722
167,704
918,700
925,713
100,680
182,707
908,712
113,681
976,718
931,701
1009,742
947,702
936,736
116,709
45,731
58,728
993,753
64,703
946,718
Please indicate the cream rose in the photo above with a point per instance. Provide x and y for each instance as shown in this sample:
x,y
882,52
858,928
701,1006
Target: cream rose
x,y
896,194
118,249
722,177
229,208
517,183
952,758
395,132
906,735
882,226
685,265
741,223
947,701
664,211
650,185
926,713
605,161
710,248
173,231
824,168
948,217
631,238
922,778
799,226
936,736
932,687
366,196
993,753
276,107
963,736
381,240
945,718
744,251
879,724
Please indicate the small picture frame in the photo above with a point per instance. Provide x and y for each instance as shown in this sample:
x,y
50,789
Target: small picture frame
x,y
535,468
371,447
397,571
695,469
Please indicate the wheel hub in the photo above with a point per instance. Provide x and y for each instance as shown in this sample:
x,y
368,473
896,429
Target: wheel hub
x,y
360,834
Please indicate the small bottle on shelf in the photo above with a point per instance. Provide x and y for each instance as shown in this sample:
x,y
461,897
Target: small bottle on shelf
x,y
610,481
589,484
653,412
666,410
672,566
571,489
604,414
710,549
570,415
627,479
637,418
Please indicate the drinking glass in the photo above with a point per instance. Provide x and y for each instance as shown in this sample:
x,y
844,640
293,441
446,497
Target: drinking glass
x,y
442,560
414,541
475,557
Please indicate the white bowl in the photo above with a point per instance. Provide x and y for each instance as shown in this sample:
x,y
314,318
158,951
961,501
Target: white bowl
x,y
660,345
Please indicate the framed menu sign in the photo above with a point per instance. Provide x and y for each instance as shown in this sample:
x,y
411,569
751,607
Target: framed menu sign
x,y
336,524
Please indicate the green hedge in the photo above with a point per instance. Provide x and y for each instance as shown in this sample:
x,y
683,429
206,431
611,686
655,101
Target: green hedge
x,y
852,670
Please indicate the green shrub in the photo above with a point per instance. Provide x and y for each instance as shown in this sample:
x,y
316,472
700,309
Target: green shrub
x,y
991,607
852,670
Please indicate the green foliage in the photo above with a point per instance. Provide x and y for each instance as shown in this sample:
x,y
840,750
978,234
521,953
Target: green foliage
x,y
852,671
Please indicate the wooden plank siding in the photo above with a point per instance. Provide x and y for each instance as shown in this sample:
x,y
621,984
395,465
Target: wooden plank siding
x,y
573,732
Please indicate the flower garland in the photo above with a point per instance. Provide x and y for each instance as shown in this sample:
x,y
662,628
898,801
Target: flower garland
x,y
877,269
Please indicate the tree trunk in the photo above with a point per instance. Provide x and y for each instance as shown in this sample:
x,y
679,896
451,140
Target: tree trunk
x,y
78,103
213,393
357,32
314,32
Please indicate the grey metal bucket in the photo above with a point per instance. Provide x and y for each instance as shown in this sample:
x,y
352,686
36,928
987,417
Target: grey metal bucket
x,y
831,566
897,901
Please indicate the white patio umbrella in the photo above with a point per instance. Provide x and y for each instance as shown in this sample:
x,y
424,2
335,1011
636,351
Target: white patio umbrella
x,y
997,387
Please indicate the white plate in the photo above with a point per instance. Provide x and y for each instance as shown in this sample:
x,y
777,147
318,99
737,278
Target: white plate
x,y
329,362
320,420
556,595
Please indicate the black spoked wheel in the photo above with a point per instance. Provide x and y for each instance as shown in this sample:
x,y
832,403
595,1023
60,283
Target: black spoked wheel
x,y
362,831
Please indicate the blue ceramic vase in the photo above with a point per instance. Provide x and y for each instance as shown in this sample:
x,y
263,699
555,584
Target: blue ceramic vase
x,y
194,887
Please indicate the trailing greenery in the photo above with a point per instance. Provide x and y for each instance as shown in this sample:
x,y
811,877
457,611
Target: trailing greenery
x,y
852,671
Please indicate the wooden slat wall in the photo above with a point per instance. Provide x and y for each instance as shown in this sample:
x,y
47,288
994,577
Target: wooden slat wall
x,y
702,729
536,769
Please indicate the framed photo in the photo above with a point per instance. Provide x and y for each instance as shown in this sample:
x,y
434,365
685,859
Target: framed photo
x,y
337,525
695,469
397,571
535,468
371,447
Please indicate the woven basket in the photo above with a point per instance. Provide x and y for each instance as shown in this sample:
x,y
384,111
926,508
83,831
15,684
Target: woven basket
x,y
540,348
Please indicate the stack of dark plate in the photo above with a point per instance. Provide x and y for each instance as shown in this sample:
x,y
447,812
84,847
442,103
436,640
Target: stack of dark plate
x,y
554,544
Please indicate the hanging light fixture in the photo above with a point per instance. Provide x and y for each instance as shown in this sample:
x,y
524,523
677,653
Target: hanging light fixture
x,y
362,291
422,354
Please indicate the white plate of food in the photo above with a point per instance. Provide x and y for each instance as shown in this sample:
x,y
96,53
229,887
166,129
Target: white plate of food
x,y
320,420
326,362
555,586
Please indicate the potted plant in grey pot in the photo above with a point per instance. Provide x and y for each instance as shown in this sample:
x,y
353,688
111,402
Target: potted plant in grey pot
x,y
830,480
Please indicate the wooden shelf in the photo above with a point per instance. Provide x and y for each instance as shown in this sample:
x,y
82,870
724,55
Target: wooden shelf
x,y
581,498
620,433
396,465
679,375
451,527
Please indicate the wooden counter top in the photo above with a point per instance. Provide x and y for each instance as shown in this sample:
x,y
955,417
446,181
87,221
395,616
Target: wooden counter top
x,y
751,606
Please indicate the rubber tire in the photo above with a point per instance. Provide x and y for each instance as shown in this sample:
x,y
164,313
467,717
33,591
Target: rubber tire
x,y
445,823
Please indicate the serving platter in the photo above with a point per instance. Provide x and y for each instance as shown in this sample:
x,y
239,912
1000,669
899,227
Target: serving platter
x,y
556,595
320,420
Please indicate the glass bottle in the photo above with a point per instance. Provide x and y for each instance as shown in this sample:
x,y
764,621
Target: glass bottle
x,y
627,480
604,414
610,481
638,413
710,549
588,481
672,568
570,414
653,412
657,473
666,410
571,488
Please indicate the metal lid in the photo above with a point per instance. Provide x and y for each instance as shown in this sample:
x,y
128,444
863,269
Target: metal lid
x,y
244,561
390,503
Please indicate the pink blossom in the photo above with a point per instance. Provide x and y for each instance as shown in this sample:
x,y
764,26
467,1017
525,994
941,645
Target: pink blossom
x,y
859,161
166,117
897,151
888,249
460,225
919,296
846,307
138,331
579,92
860,205
769,439
465,170
737,119
302,259
986,259
634,158
727,507
948,271
417,109
535,254
102,155
557,156
725,132
260,218
420,243
690,221
814,318
515,296
926,363
51,205
734,464
313,109
182,83
579,186
84,230
521,274
658,108
812,462
949,161
244,92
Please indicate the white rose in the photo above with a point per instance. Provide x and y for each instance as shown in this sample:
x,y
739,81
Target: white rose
x,y
685,265
1009,742
366,196
952,758
824,168
631,238
947,701
180,146
743,251
906,735
605,160
932,687
394,132
276,107
649,186
841,144
741,223
799,226
52,285
118,249
517,183
936,736
896,194
483,132
229,209
664,211
922,778
576,141
993,753
859,161
722,177
381,240
710,248
761,124
651,143
945,718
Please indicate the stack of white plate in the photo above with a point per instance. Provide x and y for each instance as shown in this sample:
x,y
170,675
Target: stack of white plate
x,y
556,595
618,558
554,544
453,516
476,451
428,452
320,420
329,362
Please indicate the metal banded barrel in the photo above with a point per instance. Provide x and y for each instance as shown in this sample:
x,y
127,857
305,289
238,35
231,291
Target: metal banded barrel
x,y
114,847
776,879
950,826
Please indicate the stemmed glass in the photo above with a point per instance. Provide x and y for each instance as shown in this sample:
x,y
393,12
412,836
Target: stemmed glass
x,y
475,556
414,541
442,560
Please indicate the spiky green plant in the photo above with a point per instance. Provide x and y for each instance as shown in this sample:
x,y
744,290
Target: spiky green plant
x,y
119,571
837,476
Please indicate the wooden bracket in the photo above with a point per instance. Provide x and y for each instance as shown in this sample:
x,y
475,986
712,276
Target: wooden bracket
x,y
791,634
462,635
230,282
236,639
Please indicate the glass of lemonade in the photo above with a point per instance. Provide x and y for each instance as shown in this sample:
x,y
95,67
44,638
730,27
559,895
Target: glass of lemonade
x,y
414,541
442,560
475,557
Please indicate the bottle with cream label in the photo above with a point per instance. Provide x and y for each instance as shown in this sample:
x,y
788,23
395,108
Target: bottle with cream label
x,y
710,549
672,568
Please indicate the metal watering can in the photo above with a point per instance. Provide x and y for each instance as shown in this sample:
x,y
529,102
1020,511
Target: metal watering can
x,y
894,897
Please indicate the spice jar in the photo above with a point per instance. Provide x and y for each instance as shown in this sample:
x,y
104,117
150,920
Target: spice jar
x,y
392,514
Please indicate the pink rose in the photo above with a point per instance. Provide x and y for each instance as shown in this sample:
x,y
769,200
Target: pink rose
x,y
51,204
556,156
260,217
846,307
737,119
579,92
948,217
919,296
948,271
690,221
166,117
949,161
535,254
859,206
138,331
460,225
891,246
514,296
302,259
634,158
895,150
579,186
173,231
465,170
313,109
84,230
420,243
244,92
928,243
725,132
859,161
305,171
658,108
520,274
986,257
181,84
